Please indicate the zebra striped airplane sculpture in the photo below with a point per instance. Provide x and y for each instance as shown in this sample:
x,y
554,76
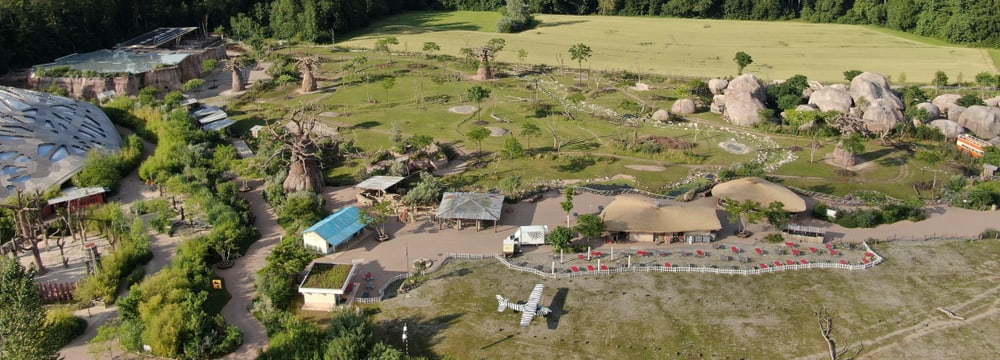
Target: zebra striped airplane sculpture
x,y
528,310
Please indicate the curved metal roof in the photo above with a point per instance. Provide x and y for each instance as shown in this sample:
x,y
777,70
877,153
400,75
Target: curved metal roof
x,y
45,138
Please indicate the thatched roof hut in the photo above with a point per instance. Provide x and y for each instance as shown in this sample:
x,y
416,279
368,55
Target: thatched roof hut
x,y
639,215
761,191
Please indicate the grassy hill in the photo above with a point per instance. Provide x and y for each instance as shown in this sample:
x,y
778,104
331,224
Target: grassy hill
x,y
692,47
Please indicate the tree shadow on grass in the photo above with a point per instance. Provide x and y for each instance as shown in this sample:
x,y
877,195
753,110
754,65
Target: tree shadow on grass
x,y
575,164
422,333
367,125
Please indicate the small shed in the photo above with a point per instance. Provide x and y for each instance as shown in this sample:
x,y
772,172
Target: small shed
x,y
374,189
989,171
334,230
461,206
77,198
326,285
802,233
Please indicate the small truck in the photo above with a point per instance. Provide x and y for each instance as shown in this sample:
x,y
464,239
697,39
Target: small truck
x,y
525,235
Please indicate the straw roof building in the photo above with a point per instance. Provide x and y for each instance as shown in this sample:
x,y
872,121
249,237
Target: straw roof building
x,y
642,219
461,206
761,191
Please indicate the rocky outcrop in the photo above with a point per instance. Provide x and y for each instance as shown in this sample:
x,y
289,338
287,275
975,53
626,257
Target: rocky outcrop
x,y
874,86
881,116
843,158
804,107
744,100
716,86
945,102
932,111
994,101
661,115
718,104
88,88
955,112
949,128
683,107
982,120
832,99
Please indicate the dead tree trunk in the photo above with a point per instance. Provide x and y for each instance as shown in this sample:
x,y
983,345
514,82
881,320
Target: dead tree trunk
x,y
826,327
27,219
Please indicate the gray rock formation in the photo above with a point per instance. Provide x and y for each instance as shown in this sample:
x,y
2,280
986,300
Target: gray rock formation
x,y
831,98
683,106
804,107
718,104
874,86
661,115
744,100
716,86
955,112
994,101
945,102
949,128
932,111
881,116
982,120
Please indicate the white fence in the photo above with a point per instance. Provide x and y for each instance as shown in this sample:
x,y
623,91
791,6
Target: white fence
x,y
381,291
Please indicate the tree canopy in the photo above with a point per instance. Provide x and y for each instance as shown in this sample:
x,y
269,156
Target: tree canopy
x,y
23,335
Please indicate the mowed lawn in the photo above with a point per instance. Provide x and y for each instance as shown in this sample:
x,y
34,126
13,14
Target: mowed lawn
x,y
692,47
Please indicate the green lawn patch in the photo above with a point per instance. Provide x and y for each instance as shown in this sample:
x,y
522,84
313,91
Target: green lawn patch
x,y
327,276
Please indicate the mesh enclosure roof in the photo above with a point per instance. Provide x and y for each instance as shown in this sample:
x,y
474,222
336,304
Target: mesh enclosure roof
x,y
44,138
379,182
640,215
477,206
118,61
156,37
761,191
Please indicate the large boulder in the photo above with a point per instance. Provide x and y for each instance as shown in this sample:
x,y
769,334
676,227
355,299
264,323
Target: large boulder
x,y
945,102
747,83
805,107
955,112
994,101
949,128
716,86
718,104
683,106
830,98
743,109
874,86
881,116
982,120
932,111
661,115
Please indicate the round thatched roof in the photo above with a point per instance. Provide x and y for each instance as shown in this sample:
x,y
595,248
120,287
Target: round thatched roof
x,y
641,215
761,191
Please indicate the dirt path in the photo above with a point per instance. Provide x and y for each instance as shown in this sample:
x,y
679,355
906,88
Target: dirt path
x,y
239,279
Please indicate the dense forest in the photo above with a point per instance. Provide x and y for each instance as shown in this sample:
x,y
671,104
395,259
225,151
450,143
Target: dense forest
x,y
34,31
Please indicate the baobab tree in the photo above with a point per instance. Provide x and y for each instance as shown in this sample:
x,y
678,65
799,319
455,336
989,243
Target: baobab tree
x,y
236,66
308,64
486,54
304,171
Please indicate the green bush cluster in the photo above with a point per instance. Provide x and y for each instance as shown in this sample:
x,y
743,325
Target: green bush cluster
x,y
350,335
108,169
869,218
63,326
131,253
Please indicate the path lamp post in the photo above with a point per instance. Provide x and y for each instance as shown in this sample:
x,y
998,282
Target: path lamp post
x,y
406,345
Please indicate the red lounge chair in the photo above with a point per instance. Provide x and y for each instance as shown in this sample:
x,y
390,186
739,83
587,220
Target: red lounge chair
x,y
778,263
795,252
813,250
666,264
575,269
804,262
735,250
868,254
641,252
597,253
700,253
582,256
834,252
591,268
759,251
763,266
790,262
790,244
604,267
828,245
866,261
350,286
843,262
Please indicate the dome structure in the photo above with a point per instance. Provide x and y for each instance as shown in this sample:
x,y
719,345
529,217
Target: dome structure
x,y
44,138
762,191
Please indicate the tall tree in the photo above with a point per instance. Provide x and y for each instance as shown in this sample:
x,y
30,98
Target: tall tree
x,y
236,66
940,80
376,216
478,94
478,135
430,47
931,158
23,335
30,228
580,52
384,45
528,131
590,225
304,173
742,60
567,205
387,84
744,212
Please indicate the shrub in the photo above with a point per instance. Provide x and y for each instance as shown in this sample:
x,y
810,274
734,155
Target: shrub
x,y
990,233
969,100
63,325
774,238
193,84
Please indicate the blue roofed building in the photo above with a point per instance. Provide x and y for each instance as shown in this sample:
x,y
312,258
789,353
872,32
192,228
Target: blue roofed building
x,y
333,231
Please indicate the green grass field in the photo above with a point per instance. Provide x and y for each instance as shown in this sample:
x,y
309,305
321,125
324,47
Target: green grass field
x,y
691,47
890,309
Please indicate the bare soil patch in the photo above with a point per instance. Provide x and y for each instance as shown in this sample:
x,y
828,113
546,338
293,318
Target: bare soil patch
x,y
463,109
653,168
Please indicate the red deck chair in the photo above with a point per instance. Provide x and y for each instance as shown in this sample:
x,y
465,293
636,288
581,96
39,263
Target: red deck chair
x,y
813,250
828,245
581,256
763,266
790,262
866,261
777,263
735,250
804,262
666,264
591,268
834,252
795,252
868,254
843,262
790,244
759,251
604,267
700,253
575,269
